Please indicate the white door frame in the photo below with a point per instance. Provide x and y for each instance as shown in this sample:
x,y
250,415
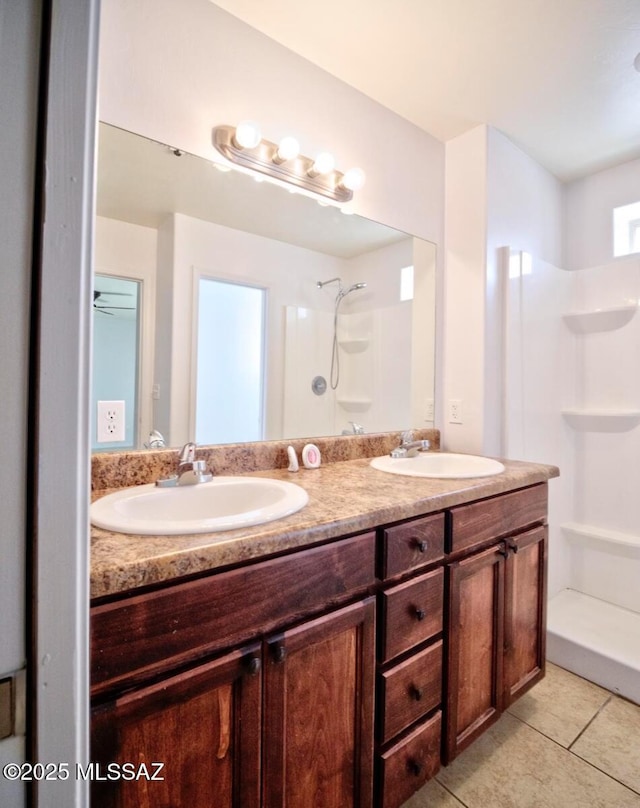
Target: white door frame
x,y
61,456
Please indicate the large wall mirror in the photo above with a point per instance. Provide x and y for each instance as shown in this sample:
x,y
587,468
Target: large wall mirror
x,y
260,314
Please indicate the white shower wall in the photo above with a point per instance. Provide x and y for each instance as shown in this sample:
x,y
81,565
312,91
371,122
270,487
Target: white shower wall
x,y
573,396
374,388
538,383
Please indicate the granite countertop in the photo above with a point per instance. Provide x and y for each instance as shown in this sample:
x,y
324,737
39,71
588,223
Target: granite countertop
x,y
344,498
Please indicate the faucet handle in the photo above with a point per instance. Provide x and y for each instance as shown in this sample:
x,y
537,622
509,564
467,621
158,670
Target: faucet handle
x,y
406,437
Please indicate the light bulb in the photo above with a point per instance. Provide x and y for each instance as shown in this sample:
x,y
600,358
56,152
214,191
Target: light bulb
x,y
353,179
247,135
288,149
323,164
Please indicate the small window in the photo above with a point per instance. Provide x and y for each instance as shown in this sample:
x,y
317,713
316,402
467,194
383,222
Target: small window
x,y
406,283
626,229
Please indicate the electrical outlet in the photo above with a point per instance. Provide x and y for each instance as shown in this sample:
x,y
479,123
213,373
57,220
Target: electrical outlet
x,y
110,421
455,411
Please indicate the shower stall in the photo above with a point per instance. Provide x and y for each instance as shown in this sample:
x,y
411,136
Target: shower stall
x,y
572,398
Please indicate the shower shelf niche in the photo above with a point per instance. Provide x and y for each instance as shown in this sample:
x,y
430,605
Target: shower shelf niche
x,y
355,404
356,345
591,420
589,322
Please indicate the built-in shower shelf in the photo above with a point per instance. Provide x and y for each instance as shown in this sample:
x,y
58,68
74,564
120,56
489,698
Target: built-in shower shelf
x,y
354,345
587,420
590,534
588,322
355,404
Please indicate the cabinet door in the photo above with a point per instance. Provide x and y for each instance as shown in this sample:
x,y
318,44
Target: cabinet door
x,y
318,720
474,659
525,613
202,724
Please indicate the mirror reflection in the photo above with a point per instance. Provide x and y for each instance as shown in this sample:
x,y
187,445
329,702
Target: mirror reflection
x,y
260,314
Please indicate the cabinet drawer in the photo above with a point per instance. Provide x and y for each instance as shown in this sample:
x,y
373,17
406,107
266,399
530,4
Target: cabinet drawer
x,y
412,613
412,545
410,763
478,522
146,634
411,689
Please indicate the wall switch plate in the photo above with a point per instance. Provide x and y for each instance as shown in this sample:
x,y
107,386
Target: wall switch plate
x,y
110,421
429,410
455,411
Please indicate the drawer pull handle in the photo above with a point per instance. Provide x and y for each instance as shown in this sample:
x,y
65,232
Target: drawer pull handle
x,y
254,665
279,653
416,692
421,545
414,767
419,613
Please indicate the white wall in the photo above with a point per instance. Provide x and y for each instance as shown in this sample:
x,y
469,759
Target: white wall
x,y
173,73
498,197
589,213
464,288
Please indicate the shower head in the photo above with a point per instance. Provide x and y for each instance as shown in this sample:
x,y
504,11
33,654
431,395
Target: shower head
x,y
344,292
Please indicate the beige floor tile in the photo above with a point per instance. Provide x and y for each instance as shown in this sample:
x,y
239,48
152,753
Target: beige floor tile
x,y
513,766
433,795
561,705
612,742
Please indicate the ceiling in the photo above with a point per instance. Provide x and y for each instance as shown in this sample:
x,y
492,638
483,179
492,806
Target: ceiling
x,y
555,76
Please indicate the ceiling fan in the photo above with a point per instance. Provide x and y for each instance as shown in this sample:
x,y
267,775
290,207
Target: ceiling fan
x,y
106,308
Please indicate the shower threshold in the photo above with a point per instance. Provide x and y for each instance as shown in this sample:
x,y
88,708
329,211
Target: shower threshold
x,y
596,640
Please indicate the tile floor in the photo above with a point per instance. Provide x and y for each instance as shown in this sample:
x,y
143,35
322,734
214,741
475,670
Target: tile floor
x,y
566,744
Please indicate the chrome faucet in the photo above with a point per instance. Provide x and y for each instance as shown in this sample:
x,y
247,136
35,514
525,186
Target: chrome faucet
x,y
356,429
190,470
409,447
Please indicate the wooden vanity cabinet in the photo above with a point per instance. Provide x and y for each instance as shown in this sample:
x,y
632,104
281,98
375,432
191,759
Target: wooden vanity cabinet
x,y
336,676
496,610
284,720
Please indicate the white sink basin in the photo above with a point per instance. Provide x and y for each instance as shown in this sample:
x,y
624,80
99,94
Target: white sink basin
x,y
439,464
224,503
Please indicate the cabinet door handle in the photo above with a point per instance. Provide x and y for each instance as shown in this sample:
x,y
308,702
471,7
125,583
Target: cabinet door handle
x,y
504,550
419,613
416,692
512,545
253,665
421,545
414,767
279,653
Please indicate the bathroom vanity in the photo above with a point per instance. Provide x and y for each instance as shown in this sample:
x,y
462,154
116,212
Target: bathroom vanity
x,y
321,661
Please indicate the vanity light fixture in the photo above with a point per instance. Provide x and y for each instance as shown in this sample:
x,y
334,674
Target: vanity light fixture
x,y
245,146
